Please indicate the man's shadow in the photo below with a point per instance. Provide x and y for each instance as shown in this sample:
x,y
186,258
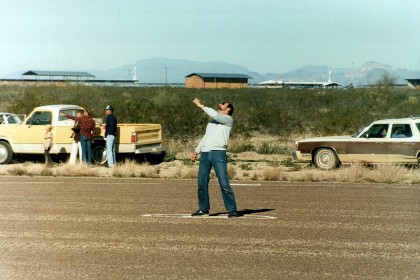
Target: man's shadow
x,y
245,212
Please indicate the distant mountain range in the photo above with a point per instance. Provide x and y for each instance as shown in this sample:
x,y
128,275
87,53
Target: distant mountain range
x,y
162,70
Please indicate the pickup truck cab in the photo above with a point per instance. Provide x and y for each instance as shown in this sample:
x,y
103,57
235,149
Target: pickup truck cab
x,y
383,141
28,137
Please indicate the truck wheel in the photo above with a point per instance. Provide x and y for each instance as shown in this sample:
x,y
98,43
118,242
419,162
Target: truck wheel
x,y
325,159
99,155
6,153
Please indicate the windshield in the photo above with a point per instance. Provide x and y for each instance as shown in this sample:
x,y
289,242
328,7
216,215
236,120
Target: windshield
x,y
40,118
359,133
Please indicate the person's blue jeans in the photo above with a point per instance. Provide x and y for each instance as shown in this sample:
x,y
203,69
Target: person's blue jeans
x,y
86,149
217,160
110,150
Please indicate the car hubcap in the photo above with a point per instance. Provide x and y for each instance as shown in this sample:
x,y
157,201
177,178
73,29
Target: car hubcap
x,y
3,154
99,155
325,159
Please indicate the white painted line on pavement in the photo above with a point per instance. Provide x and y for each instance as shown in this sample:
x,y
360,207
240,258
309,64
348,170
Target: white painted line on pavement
x,y
224,216
249,185
79,183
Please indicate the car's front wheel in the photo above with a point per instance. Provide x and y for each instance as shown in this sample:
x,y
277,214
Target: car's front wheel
x,y
326,159
6,153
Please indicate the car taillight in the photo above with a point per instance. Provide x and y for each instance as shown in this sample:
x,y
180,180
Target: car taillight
x,y
133,137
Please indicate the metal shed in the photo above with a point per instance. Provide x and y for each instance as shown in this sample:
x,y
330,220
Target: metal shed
x,y
66,75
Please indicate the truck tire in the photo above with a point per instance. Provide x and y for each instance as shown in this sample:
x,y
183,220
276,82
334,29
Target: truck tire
x,y
326,159
99,154
6,152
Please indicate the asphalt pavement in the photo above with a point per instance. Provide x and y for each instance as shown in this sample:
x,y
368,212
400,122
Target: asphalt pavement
x,y
105,228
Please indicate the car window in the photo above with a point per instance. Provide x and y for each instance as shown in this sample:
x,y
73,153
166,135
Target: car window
x,y
401,131
377,131
418,126
12,119
71,112
40,118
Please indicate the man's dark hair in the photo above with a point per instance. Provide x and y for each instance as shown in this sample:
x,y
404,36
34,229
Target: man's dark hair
x,y
231,109
88,111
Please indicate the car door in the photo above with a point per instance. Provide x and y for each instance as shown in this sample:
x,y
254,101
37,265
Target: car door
x,y
402,145
28,137
64,133
370,146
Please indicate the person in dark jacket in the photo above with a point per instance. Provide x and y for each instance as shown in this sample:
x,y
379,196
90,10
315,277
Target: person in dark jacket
x,y
110,135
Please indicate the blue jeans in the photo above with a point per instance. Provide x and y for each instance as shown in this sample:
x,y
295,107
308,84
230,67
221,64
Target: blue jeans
x,y
217,160
110,150
86,149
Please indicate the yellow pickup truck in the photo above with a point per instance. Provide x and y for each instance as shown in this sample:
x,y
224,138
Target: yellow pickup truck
x,y
28,137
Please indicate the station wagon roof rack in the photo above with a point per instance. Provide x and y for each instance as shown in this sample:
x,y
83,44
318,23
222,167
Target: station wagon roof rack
x,y
415,117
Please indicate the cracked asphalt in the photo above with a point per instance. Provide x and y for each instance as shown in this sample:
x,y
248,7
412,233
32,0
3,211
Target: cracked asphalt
x,y
107,228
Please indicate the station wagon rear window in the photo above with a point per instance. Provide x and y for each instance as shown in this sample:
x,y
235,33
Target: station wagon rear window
x,y
401,131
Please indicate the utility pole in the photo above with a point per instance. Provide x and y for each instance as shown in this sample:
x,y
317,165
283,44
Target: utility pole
x,y
166,75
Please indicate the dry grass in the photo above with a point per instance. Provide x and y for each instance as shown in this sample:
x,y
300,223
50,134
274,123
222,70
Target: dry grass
x,y
231,172
131,169
18,171
357,173
241,170
354,173
189,173
81,170
272,174
391,173
173,147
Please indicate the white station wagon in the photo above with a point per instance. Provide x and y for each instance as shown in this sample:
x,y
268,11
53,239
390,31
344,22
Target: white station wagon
x,y
383,141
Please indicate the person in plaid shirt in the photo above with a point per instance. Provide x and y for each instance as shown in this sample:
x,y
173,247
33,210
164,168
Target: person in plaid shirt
x,y
87,134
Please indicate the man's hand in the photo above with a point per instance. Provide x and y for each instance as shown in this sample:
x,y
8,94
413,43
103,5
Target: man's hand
x,y
61,114
193,156
197,102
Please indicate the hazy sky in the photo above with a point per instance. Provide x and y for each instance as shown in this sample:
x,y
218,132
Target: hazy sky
x,y
264,35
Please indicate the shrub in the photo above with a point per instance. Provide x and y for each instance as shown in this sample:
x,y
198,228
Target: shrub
x,y
47,172
271,174
231,172
245,166
280,112
271,148
79,170
190,173
17,171
290,163
242,147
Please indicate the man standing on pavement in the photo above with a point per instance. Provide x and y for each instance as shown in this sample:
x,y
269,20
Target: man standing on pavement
x,y
87,134
110,135
212,148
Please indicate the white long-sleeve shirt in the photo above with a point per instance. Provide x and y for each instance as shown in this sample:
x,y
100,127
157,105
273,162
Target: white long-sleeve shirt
x,y
217,132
